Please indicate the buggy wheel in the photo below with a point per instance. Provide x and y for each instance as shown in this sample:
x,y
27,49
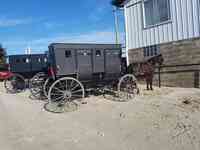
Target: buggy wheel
x,y
127,87
36,85
66,90
63,93
15,84
47,85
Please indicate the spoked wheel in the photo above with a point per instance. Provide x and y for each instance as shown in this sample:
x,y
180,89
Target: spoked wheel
x,y
63,93
47,85
15,84
127,87
36,86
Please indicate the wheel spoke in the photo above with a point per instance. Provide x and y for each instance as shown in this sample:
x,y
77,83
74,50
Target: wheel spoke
x,y
71,84
58,89
75,87
75,95
56,94
58,98
60,85
66,86
77,91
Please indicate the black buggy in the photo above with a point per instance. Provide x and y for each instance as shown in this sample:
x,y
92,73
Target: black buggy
x,y
75,69
21,69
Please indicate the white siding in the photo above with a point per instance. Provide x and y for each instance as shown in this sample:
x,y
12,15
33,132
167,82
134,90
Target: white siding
x,y
185,24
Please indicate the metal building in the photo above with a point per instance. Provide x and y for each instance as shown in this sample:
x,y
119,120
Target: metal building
x,y
153,22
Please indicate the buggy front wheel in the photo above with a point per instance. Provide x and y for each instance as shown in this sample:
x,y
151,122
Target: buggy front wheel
x,y
127,87
66,90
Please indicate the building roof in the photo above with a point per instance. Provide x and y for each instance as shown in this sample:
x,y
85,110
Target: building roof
x,y
118,3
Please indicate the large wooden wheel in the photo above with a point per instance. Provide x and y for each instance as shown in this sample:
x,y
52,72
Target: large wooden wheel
x,y
36,85
15,84
127,87
63,93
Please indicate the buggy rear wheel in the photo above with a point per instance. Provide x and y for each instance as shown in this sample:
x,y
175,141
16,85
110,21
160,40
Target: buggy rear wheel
x,y
127,87
36,85
64,92
15,84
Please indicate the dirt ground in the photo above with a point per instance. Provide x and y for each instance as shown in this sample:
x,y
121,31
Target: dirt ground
x,y
166,119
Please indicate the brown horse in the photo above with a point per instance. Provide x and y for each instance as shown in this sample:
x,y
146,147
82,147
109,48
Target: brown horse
x,y
145,69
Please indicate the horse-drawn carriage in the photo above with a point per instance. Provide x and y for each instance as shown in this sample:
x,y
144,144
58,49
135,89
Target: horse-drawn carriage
x,y
21,69
75,69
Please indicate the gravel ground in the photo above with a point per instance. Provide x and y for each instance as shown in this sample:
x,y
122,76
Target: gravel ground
x,y
166,119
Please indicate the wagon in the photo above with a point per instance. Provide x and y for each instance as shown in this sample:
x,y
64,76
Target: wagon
x,y
21,69
76,69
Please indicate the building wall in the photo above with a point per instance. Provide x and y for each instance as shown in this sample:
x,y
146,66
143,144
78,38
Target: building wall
x,y
184,24
176,53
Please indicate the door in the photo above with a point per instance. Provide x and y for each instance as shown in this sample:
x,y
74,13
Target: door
x,y
113,62
84,63
98,61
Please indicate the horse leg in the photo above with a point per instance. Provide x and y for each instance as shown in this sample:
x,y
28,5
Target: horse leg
x,y
147,83
151,83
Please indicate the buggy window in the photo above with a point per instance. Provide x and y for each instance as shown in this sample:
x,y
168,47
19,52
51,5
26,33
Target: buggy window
x,y
84,52
68,54
25,60
17,60
98,53
45,60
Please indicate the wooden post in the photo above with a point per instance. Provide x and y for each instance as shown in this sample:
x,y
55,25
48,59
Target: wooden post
x,y
196,79
159,76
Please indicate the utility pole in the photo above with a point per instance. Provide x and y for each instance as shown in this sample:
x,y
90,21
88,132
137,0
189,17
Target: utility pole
x,y
28,51
117,39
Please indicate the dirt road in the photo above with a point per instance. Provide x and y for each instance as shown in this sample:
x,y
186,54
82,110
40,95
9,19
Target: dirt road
x,y
167,119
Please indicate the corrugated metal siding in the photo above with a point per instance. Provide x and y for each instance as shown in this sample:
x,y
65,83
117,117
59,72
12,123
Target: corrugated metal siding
x,y
185,24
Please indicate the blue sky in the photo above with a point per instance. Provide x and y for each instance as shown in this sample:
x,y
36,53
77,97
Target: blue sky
x,y
37,23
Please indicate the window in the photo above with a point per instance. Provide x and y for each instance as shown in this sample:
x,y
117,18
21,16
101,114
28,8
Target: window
x,y
45,60
39,60
98,53
156,12
17,60
25,60
151,51
84,52
68,54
